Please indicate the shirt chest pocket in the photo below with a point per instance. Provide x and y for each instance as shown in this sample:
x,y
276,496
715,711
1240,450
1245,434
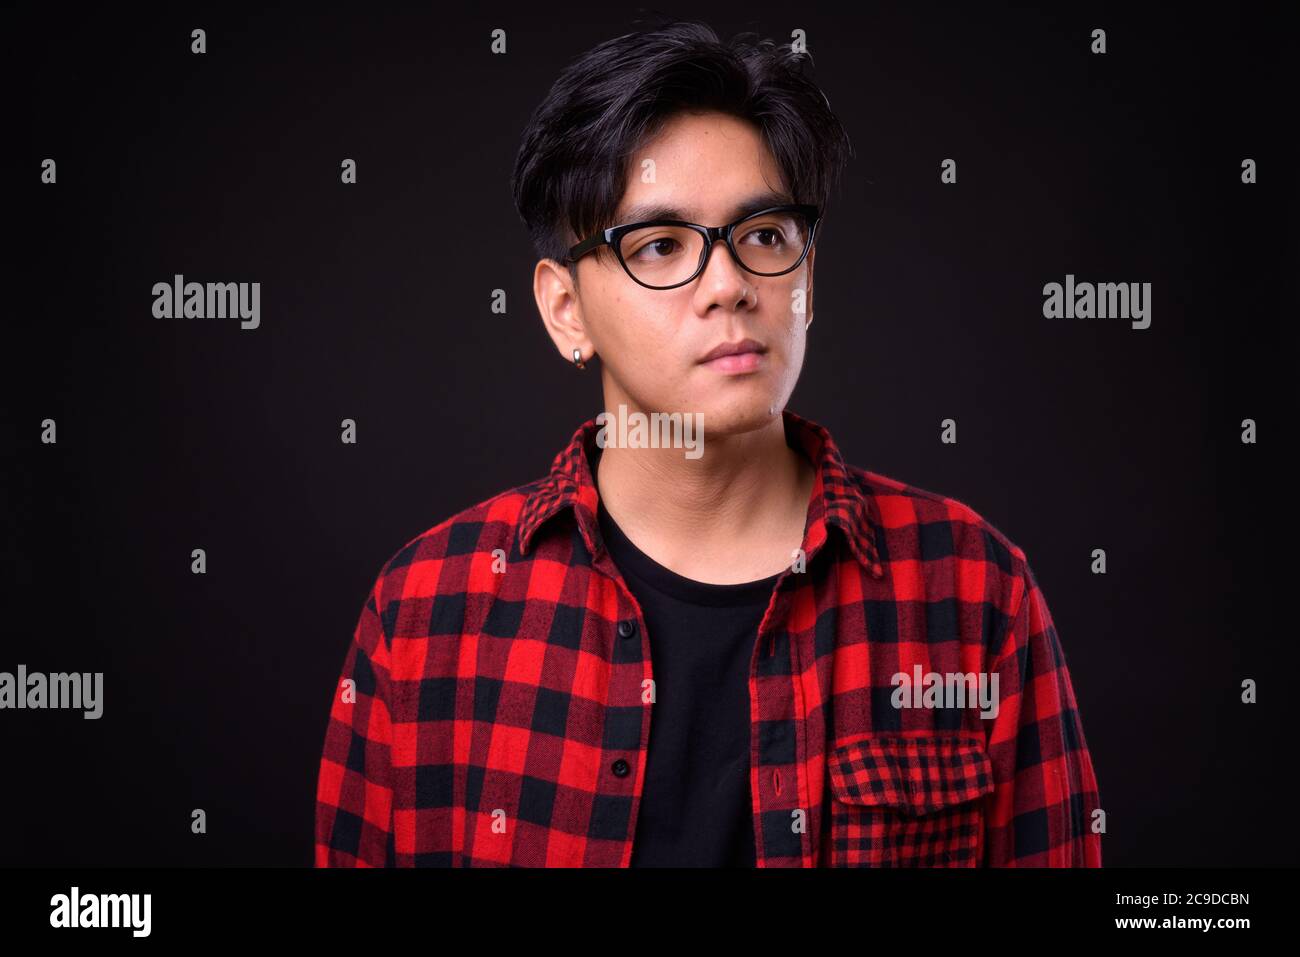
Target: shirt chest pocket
x,y
907,801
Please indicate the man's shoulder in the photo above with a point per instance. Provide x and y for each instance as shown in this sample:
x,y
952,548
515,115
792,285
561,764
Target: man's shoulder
x,y
927,524
484,531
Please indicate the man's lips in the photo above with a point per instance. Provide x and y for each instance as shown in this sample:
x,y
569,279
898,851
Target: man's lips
x,y
737,362
736,357
743,347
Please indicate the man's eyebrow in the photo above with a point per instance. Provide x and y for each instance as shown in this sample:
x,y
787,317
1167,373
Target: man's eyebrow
x,y
644,212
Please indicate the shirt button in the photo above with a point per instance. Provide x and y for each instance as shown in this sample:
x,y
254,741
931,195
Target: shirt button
x,y
626,628
620,768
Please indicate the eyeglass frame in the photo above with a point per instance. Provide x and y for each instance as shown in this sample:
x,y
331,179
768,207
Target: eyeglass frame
x,y
613,235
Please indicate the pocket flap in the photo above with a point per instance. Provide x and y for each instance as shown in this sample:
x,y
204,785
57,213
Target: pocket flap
x,y
914,774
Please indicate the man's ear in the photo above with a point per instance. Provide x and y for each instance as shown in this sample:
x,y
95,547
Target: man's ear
x,y
560,307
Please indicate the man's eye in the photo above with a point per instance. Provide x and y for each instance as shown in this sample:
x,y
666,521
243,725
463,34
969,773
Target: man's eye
x,y
768,236
658,248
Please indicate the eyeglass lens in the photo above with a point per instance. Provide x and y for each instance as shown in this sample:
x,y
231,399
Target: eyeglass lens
x,y
667,255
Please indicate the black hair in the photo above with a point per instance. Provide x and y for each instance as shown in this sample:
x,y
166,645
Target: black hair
x,y
570,172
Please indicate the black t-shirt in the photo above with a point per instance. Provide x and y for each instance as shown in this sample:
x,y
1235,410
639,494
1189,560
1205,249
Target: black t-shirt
x,y
695,807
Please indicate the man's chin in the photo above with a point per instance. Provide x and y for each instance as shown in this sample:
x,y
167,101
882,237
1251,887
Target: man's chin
x,y
735,418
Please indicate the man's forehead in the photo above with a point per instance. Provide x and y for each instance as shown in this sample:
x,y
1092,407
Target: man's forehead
x,y
670,206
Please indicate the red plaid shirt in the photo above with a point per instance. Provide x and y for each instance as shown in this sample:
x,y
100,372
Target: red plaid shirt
x,y
492,709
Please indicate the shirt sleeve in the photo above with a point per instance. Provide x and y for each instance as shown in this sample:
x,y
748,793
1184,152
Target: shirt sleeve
x,y
354,792
1040,812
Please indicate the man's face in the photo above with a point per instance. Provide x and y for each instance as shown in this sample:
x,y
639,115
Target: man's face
x,y
652,342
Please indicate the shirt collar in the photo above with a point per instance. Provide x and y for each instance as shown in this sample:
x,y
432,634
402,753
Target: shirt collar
x,y
837,498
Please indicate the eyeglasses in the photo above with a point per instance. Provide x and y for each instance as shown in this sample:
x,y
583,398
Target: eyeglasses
x,y
667,253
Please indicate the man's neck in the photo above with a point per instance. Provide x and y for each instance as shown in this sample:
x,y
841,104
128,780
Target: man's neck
x,y
735,514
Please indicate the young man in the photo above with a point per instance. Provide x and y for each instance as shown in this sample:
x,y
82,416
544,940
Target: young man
x,y
707,655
